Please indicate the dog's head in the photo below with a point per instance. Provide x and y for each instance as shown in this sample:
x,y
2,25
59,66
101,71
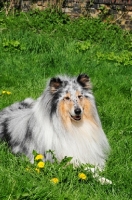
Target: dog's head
x,y
71,97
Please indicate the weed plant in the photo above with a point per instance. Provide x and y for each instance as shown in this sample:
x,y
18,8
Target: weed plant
x,y
37,45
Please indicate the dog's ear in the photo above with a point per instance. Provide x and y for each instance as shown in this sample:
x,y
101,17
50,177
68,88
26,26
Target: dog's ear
x,y
84,81
55,84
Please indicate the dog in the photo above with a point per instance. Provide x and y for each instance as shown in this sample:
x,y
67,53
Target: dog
x,y
63,119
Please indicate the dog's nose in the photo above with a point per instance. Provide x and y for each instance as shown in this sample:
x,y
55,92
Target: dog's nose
x,y
77,111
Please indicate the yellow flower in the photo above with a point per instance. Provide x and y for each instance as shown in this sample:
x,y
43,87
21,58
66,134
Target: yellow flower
x,y
3,92
37,170
41,164
82,176
55,180
39,157
8,93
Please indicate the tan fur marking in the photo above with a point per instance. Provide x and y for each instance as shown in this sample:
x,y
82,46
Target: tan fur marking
x,y
86,82
64,107
88,110
54,87
78,93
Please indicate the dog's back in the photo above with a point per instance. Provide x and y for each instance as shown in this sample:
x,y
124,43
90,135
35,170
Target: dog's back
x,y
13,123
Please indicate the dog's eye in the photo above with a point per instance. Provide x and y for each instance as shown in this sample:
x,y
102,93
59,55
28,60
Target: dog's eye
x,y
80,96
67,98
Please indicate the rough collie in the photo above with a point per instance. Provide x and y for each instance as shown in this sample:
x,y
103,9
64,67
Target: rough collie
x,y
63,119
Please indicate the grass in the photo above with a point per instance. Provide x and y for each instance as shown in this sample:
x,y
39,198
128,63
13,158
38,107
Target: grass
x,y
37,46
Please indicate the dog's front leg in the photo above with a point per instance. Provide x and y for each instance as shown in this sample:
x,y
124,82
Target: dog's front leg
x,y
99,178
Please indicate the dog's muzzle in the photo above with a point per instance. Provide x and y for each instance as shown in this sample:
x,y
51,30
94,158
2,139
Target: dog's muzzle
x,y
77,114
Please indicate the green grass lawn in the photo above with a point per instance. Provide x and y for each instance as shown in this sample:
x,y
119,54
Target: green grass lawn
x,y
37,46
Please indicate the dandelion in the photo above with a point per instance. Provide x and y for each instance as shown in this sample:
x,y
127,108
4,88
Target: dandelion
x,y
55,180
3,92
41,164
7,92
37,170
82,176
39,157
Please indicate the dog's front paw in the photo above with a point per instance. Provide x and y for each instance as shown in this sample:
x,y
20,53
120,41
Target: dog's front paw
x,y
103,180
